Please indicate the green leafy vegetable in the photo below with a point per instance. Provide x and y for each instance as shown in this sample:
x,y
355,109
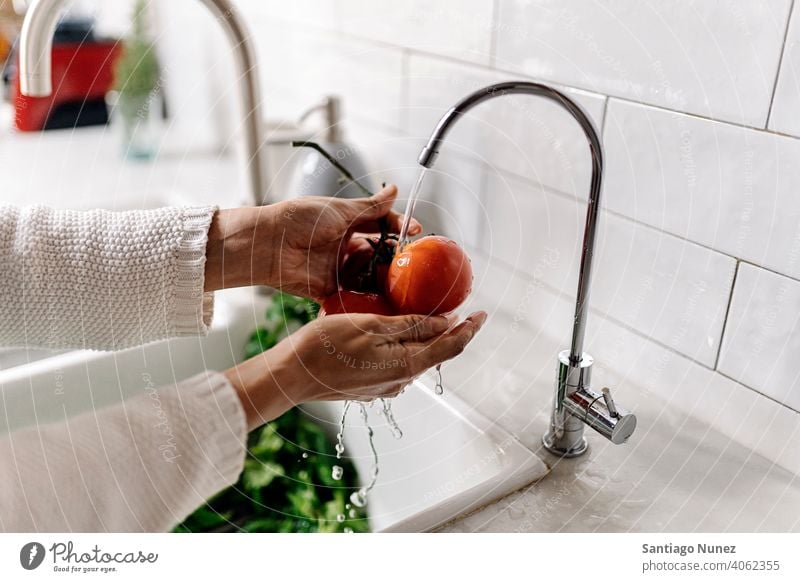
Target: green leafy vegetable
x,y
280,489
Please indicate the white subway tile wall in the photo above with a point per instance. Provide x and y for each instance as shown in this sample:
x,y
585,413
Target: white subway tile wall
x,y
717,59
669,289
461,30
729,188
762,339
527,136
695,185
786,101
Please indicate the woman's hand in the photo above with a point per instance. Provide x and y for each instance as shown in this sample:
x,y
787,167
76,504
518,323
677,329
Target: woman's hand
x,y
347,357
295,246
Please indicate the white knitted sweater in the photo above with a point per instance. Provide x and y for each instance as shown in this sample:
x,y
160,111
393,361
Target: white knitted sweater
x,y
107,280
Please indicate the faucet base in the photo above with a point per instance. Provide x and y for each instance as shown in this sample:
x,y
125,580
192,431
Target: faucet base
x,y
552,445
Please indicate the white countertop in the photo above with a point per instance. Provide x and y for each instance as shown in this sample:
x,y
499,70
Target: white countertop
x,y
675,474
84,168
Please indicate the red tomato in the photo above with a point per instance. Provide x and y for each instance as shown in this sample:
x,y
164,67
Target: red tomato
x,y
355,302
431,276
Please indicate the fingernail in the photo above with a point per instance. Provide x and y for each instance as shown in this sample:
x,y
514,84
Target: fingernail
x,y
479,318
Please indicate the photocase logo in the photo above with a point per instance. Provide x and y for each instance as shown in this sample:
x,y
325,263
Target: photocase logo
x,y
31,555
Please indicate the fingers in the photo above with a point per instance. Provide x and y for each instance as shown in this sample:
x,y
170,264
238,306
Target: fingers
x,y
395,220
413,328
382,391
365,212
376,206
447,345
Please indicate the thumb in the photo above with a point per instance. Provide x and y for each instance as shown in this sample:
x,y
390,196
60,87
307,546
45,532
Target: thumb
x,y
376,206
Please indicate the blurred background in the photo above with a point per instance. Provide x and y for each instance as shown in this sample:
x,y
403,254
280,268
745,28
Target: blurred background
x,y
697,291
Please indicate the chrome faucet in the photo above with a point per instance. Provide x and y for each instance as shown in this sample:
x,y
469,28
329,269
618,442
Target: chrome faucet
x,y
575,402
35,66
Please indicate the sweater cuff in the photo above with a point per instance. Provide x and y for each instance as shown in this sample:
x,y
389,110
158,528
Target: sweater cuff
x,y
217,425
192,309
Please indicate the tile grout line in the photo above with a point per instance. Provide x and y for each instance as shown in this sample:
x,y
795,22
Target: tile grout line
x,y
759,393
603,122
780,63
727,314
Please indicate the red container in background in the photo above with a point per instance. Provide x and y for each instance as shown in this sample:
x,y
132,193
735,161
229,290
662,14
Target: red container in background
x,y
83,72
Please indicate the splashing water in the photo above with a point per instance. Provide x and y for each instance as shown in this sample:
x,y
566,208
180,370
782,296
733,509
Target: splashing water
x,y
375,468
359,498
438,389
412,204
340,434
390,420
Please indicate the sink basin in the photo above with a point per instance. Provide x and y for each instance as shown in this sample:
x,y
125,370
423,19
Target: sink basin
x,y
449,462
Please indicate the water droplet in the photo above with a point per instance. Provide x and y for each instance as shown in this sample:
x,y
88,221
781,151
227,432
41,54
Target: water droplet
x,y
375,469
348,530
438,389
340,434
353,513
347,506
305,455
340,517
337,472
359,498
387,413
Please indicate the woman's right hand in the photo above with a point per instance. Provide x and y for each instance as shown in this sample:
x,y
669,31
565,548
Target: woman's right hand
x,y
347,357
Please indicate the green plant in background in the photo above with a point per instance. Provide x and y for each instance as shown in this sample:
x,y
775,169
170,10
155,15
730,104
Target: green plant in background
x,y
136,71
137,85
286,485
285,315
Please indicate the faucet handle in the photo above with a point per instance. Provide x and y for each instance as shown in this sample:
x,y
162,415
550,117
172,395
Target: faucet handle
x,y
601,413
612,408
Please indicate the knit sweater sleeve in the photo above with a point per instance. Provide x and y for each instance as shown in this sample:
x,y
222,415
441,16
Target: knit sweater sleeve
x,y
140,466
100,279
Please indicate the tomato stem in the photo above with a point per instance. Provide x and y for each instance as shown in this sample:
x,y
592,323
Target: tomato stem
x,y
383,252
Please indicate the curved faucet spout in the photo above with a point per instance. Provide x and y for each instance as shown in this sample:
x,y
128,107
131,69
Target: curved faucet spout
x,y
35,71
431,150
575,403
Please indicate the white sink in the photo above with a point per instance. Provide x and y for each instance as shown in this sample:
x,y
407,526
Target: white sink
x,y
449,462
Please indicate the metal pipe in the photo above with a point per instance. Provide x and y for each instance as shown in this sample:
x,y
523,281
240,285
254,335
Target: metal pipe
x,y
575,404
431,150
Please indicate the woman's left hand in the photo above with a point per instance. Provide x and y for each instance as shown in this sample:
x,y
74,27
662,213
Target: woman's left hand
x,y
297,245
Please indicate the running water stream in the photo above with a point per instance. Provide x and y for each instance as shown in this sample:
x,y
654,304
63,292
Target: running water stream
x,y
359,498
410,207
